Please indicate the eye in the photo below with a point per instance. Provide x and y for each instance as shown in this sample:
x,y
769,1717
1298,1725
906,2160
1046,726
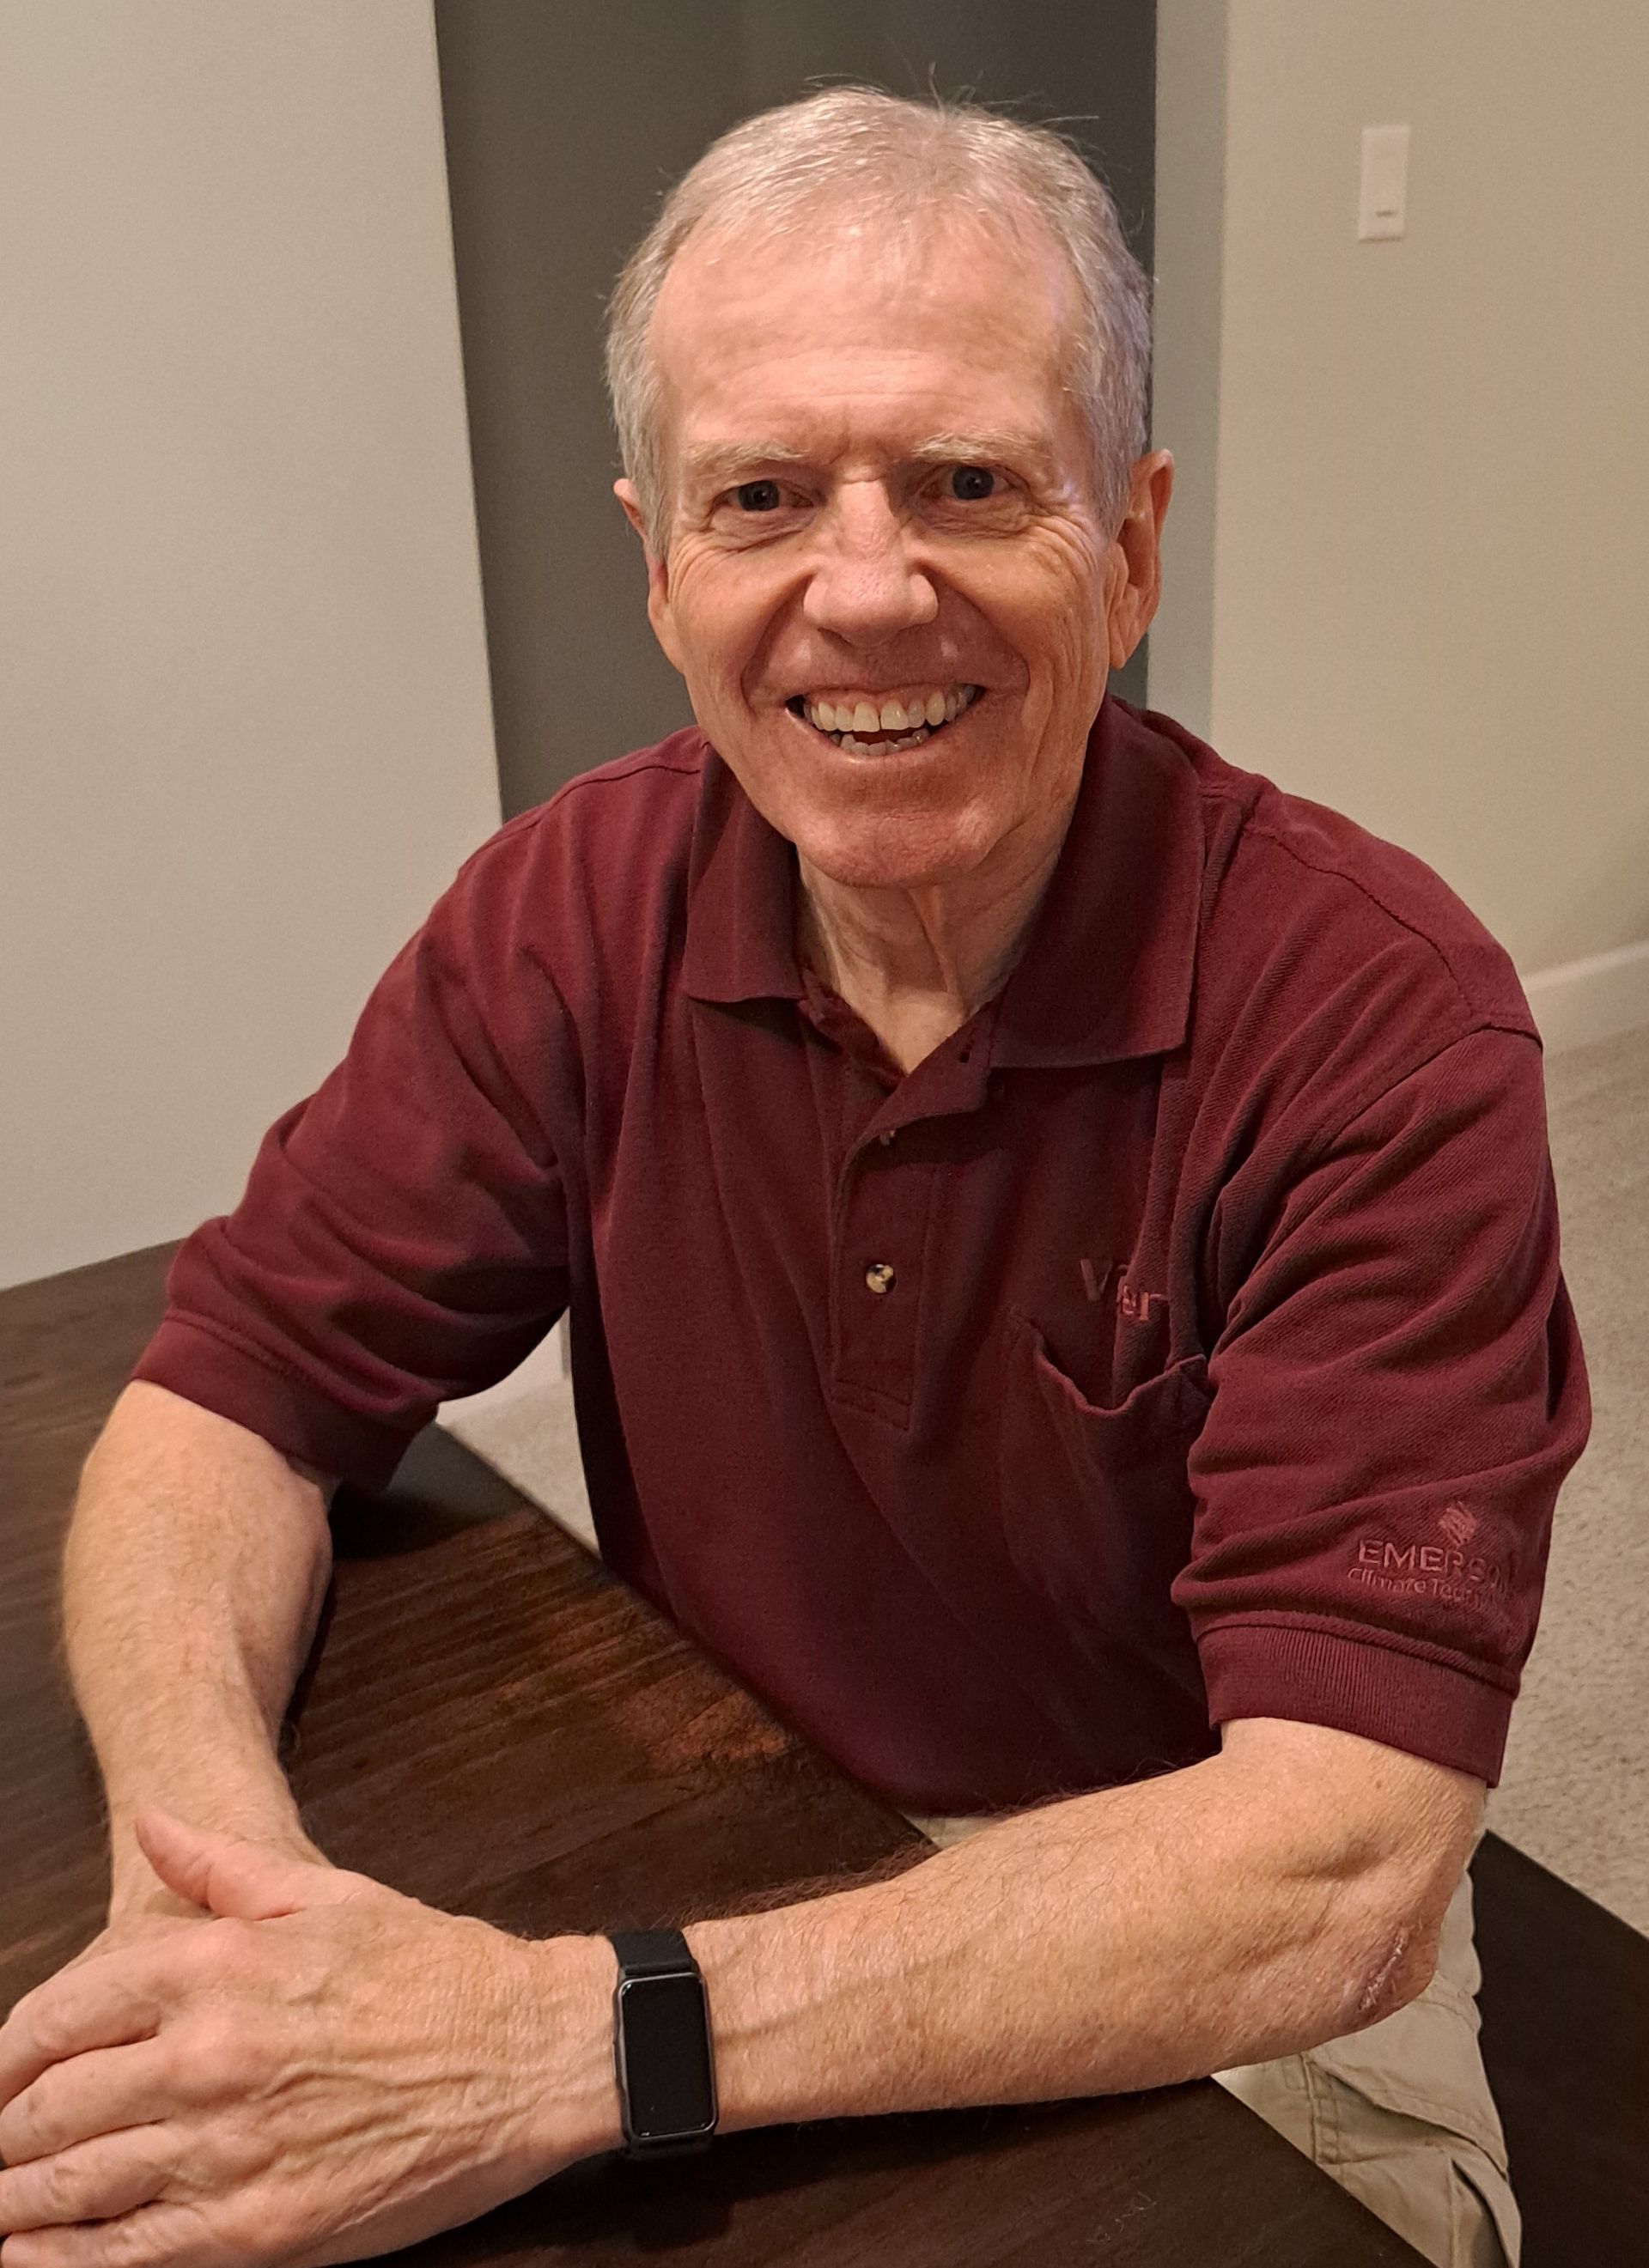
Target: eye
x,y
759,495
973,483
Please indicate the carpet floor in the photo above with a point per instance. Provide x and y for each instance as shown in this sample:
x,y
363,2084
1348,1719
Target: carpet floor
x,y
1575,1793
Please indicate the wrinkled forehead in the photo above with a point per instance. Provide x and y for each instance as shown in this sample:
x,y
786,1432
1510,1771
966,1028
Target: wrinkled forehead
x,y
744,301
893,233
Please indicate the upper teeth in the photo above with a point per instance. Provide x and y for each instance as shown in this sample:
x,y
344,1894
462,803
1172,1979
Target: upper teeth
x,y
890,716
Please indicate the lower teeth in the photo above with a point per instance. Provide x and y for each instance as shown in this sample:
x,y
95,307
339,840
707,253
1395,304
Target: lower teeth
x,y
856,747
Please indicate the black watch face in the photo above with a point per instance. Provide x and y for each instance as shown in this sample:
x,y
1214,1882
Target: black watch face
x,y
666,2057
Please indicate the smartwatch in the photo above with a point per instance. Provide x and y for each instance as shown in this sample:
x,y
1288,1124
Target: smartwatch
x,y
667,2077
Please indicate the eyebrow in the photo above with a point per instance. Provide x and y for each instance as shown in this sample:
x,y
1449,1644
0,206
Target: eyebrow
x,y
1006,445
720,462
725,463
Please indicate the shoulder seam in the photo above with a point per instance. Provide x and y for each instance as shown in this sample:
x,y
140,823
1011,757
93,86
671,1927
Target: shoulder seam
x,y
528,822
602,776
1322,1143
1353,882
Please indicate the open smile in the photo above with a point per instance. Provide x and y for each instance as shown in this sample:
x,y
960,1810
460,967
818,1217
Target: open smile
x,y
874,724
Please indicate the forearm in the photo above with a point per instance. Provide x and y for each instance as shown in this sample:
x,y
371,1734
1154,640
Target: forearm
x,y
192,1576
1130,1939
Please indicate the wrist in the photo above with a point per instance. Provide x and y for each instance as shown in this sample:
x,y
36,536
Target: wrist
x,y
664,2055
574,2109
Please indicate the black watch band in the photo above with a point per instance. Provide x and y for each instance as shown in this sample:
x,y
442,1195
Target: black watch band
x,y
661,2050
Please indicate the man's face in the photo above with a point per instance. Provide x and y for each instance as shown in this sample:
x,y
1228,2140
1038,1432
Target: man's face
x,y
882,506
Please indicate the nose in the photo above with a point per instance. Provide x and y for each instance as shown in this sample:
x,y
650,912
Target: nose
x,y
864,588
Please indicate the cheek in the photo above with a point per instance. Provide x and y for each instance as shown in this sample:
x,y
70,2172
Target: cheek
x,y
1050,604
721,611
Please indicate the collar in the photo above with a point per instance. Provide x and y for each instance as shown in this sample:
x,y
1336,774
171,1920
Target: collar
x,y
1105,972
741,898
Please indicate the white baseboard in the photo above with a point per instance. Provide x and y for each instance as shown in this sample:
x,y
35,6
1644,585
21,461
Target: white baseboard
x,y
1593,999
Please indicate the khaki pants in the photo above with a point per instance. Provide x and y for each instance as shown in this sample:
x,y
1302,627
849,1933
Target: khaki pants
x,y
1401,2114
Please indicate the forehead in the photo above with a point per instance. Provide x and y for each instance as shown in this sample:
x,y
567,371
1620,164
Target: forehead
x,y
843,337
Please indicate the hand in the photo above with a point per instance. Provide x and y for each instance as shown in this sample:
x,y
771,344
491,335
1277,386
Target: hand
x,y
142,1907
324,2071
137,1925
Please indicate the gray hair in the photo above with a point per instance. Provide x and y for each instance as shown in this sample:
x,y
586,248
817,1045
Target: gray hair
x,y
885,158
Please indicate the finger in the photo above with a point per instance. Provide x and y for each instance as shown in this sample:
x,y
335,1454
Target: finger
x,y
99,2092
94,2181
153,2236
120,1997
248,1881
141,1928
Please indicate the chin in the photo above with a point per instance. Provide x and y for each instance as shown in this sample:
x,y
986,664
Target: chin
x,y
889,852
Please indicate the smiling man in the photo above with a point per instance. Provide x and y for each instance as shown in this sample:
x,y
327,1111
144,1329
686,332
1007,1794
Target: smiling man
x,y
893,578
1063,1279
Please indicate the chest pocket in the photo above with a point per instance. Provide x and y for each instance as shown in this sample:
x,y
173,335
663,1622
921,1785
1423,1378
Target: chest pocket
x,y
1096,1505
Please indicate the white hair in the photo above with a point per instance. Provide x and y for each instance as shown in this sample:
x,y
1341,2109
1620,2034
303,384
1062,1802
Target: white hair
x,y
884,159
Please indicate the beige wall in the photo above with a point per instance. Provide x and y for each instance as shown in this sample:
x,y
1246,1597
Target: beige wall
x,y
1189,254
244,724
1422,516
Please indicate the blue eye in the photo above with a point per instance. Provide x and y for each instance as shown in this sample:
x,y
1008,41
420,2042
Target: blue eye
x,y
973,483
758,496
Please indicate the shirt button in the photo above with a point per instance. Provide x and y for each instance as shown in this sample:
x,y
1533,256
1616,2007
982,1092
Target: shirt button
x,y
879,1277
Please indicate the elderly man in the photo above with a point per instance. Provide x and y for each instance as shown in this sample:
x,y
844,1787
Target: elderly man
x,y
1064,1296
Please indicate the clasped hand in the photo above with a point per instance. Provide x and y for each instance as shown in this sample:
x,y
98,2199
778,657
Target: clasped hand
x,y
320,2070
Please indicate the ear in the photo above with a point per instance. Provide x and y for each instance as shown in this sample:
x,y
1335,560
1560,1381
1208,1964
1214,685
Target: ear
x,y
1134,583
658,609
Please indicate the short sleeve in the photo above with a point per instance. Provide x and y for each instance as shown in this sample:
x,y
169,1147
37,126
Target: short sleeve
x,y
403,1237
1398,1391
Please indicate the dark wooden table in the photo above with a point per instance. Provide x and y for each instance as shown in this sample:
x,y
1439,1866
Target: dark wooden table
x,y
493,1724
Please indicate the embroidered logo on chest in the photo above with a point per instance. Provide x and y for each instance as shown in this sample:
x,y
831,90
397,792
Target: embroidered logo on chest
x,y
1110,1281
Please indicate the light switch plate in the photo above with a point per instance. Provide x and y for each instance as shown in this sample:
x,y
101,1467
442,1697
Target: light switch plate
x,y
1383,196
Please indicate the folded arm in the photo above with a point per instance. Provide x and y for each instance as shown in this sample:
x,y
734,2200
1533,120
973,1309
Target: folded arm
x,y
1286,1892
193,1575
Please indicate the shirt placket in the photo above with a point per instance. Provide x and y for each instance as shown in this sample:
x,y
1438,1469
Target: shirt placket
x,y
880,1245
886,1202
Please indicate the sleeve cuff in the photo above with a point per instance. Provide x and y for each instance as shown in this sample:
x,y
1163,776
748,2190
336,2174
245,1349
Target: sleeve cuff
x,y
1424,1706
236,1383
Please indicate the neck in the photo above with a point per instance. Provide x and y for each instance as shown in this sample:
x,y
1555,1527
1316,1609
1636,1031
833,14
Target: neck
x,y
916,962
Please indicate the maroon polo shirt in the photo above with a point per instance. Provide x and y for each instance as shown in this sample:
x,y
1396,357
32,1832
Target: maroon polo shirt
x,y
1184,1340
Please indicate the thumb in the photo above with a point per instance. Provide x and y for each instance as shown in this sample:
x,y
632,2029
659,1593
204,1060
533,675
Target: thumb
x,y
248,1880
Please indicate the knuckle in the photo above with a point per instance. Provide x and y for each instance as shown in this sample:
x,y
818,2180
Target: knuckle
x,y
197,1956
20,2127
214,2057
19,2027
65,2191
238,2152
168,2066
232,1943
46,2021
225,2232
217,1959
128,2242
247,2228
